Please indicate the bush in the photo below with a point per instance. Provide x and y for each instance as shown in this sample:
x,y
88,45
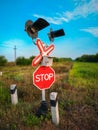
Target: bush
x,y
32,120
3,61
23,61
88,58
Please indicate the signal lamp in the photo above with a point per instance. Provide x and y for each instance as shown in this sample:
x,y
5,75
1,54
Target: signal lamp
x,y
32,28
57,33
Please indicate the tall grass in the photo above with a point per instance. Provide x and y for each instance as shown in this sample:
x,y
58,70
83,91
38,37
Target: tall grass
x,y
84,75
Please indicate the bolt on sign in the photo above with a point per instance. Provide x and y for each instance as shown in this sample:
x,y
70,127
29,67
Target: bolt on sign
x,y
43,77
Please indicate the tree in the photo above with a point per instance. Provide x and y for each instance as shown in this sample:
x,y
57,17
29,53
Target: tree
x,y
3,60
88,58
23,61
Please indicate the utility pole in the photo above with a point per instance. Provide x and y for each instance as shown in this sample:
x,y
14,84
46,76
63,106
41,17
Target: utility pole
x,y
15,54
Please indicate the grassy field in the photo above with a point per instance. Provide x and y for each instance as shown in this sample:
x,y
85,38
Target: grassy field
x,y
84,75
77,87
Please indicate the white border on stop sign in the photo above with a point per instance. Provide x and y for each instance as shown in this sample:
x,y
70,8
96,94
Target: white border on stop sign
x,y
36,70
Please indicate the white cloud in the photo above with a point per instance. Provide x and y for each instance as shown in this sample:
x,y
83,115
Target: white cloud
x,y
82,9
54,20
92,30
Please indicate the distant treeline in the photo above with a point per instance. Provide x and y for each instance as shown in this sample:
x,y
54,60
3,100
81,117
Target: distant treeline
x,y
88,58
28,61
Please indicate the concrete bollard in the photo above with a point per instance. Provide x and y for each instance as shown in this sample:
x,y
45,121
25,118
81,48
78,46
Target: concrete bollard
x,y
0,73
14,97
54,108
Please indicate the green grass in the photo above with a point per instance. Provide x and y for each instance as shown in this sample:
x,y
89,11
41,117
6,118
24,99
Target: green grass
x,y
83,78
84,75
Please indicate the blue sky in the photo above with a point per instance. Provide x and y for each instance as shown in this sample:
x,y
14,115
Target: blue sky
x,y
78,18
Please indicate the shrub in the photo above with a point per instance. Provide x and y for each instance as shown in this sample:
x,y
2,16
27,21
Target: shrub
x,y
23,61
3,61
32,120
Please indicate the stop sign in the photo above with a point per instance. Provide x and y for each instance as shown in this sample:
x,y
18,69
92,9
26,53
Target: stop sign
x,y
43,77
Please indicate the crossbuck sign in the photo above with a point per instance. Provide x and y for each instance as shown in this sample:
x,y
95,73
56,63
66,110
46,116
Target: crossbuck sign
x,y
44,51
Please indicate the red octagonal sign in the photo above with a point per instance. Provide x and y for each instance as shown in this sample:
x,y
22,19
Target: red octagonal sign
x,y
43,77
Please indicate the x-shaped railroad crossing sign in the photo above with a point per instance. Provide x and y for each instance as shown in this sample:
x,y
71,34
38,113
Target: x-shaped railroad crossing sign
x,y
44,51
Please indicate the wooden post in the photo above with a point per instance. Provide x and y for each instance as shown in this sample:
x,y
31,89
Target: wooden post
x,y
54,108
14,97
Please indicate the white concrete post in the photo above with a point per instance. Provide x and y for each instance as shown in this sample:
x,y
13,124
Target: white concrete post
x,y
54,108
14,97
0,73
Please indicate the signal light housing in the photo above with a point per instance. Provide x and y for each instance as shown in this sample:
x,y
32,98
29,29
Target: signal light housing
x,y
57,33
32,28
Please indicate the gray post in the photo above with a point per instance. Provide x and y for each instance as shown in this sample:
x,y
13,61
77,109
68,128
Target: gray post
x,y
44,63
54,108
43,95
14,97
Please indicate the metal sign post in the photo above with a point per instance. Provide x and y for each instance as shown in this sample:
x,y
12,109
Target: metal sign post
x,y
46,62
43,95
43,109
